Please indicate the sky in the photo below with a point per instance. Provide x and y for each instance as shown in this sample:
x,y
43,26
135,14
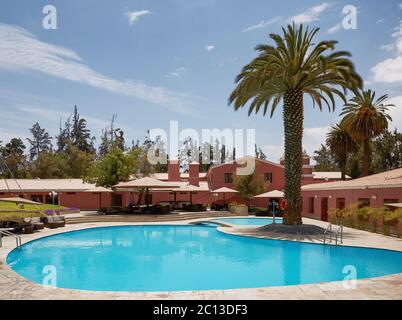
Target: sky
x,y
155,61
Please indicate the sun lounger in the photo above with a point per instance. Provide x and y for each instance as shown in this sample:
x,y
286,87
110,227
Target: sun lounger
x,y
54,222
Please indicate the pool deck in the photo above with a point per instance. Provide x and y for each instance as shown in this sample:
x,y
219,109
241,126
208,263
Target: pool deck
x,y
13,286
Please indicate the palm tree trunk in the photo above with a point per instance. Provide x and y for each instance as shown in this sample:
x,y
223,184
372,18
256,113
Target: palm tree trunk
x,y
293,125
366,157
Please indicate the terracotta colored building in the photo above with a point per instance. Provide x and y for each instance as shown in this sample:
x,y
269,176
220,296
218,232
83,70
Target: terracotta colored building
x,y
193,186
218,176
374,191
73,193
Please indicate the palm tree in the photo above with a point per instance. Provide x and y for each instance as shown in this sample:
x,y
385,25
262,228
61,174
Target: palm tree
x,y
341,144
293,67
366,118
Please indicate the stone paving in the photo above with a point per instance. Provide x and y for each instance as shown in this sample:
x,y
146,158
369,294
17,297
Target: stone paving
x,y
12,286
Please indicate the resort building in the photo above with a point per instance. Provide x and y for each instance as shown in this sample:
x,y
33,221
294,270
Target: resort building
x,y
373,191
193,187
198,187
73,193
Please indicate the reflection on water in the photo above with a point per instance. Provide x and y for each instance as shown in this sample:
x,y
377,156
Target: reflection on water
x,y
153,258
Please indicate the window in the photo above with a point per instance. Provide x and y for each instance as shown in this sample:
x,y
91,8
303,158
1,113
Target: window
x,y
37,198
340,203
311,205
228,177
391,201
268,177
364,202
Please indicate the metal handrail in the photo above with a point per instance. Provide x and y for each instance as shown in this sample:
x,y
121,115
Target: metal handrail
x,y
339,231
8,233
328,230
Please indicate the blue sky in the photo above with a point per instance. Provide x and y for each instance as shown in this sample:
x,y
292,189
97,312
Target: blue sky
x,y
150,62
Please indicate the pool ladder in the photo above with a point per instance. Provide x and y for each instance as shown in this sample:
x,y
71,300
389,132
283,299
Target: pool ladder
x,y
338,234
8,233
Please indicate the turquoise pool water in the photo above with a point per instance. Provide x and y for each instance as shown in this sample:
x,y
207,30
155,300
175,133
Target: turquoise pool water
x,y
162,258
247,222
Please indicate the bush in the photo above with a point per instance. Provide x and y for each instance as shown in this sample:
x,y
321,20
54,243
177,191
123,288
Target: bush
x,y
391,219
375,215
363,216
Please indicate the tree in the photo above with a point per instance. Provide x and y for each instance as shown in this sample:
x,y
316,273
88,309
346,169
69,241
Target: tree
x,y
64,136
111,136
366,118
77,161
49,165
341,144
387,151
114,167
249,185
295,66
41,141
324,160
13,160
80,134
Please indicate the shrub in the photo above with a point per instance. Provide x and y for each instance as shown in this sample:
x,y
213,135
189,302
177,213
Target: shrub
x,y
376,214
391,219
363,216
350,215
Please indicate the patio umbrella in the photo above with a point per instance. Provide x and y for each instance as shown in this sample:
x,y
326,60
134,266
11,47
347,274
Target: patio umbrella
x,y
190,189
271,194
224,191
146,183
20,200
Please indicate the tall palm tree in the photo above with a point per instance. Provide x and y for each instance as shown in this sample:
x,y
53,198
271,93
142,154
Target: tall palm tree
x,y
294,66
341,144
366,118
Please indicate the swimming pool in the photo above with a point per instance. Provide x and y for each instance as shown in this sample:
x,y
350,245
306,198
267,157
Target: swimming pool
x,y
247,222
172,258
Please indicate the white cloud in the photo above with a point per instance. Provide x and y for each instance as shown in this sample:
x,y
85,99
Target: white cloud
x,y
335,28
311,14
210,47
387,47
388,71
273,152
400,6
262,24
22,51
313,138
176,73
395,113
133,16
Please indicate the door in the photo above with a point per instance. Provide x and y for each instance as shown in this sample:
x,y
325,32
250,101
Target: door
x,y
324,209
117,200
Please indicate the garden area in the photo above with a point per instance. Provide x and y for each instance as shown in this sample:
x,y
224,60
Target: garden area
x,y
379,220
10,211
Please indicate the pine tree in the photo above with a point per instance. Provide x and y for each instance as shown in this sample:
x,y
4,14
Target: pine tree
x,y
41,141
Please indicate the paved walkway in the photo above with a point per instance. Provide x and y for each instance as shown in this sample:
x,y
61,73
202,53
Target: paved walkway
x,y
12,286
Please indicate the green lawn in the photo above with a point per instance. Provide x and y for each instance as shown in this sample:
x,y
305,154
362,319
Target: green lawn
x,y
14,206
18,215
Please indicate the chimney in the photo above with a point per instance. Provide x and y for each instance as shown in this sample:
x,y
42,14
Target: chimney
x,y
173,170
307,168
194,173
